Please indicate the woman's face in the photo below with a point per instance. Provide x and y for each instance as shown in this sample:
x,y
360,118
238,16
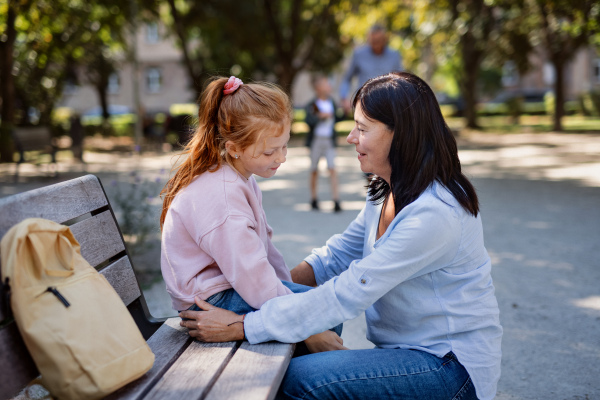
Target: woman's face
x,y
373,140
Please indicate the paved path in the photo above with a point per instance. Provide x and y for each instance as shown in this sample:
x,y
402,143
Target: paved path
x,y
540,197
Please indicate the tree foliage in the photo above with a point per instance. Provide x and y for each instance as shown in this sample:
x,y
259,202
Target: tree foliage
x,y
57,36
52,39
261,39
563,27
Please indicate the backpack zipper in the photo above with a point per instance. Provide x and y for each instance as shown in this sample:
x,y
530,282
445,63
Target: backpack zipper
x,y
59,296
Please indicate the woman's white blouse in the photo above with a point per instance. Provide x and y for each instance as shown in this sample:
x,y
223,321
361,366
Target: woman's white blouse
x,y
424,284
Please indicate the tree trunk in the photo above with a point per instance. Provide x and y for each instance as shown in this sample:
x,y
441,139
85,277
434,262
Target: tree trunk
x,y
8,86
471,60
285,77
292,55
101,90
469,87
102,97
559,94
187,60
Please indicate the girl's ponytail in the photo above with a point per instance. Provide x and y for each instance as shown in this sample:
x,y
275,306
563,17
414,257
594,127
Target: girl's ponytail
x,y
203,150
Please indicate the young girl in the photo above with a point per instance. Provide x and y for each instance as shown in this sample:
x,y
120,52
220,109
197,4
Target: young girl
x,y
216,243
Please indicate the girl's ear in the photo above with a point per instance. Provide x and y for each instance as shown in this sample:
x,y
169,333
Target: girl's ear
x,y
231,148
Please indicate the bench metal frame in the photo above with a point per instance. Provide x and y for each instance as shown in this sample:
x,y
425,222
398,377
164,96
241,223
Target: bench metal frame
x,y
183,368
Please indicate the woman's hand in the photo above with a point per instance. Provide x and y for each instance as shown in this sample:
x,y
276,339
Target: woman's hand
x,y
325,341
214,324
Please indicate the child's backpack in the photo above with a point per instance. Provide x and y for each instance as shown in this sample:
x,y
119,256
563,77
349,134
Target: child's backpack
x,y
81,336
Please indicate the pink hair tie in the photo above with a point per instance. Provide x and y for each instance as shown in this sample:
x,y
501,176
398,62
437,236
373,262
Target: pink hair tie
x,y
232,85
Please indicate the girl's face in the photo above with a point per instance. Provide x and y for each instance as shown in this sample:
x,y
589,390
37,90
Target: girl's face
x,y
264,157
373,140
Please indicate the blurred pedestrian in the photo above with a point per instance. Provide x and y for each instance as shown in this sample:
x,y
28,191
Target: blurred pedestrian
x,y
368,61
321,117
76,132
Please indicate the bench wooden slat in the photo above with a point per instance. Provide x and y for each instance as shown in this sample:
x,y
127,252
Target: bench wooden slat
x,y
192,375
167,344
60,202
99,238
122,278
254,372
17,368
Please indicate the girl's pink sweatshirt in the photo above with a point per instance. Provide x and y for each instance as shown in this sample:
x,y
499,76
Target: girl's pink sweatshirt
x,y
216,237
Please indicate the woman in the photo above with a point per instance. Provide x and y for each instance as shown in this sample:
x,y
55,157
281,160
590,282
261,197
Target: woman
x,y
413,260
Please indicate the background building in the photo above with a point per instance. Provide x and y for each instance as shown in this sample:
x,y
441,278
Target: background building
x,y
162,78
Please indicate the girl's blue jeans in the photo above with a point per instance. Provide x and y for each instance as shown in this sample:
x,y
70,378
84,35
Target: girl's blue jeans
x,y
376,374
230,300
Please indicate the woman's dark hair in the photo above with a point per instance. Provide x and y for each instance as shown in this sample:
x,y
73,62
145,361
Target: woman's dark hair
x,y
423,149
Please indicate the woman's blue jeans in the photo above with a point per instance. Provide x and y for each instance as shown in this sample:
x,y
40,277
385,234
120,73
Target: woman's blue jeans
x,y
230,300
376,374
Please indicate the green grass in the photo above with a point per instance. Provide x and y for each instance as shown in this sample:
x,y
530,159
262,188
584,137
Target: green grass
x,y
531,123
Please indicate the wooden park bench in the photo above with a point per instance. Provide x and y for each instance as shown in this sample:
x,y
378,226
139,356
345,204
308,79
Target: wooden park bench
x,y
37,138
184,368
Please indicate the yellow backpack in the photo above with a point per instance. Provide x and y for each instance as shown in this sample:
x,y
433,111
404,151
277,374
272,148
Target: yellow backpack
x,y
81,336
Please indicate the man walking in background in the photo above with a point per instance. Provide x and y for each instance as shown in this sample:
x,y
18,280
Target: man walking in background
x,y
369,61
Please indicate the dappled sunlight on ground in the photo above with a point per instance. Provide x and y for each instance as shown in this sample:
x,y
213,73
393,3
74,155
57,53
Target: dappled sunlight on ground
x,y
591,302
548,156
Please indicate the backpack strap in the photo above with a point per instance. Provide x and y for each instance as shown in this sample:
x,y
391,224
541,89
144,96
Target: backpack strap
x,y
5,289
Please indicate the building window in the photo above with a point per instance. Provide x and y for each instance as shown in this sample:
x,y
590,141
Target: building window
x,y
549,74
153,80
510,75
152,32
113,83
596,69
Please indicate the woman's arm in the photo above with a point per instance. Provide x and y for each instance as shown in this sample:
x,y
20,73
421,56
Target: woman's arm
x,y
214,324
339,251
424,238
303,274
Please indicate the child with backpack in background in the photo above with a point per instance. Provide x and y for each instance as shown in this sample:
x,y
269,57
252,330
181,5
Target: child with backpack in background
x,y
321,117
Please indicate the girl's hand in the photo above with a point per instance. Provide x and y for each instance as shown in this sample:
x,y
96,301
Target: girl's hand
x,y
325,341
214,324
304,274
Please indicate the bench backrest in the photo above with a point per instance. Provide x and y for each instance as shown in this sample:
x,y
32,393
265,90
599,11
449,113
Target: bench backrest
x,y
32,138
82,204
